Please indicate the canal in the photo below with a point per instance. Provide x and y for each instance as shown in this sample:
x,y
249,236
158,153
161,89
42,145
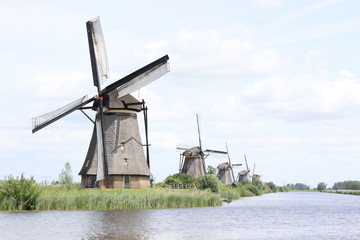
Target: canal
x,y
291,215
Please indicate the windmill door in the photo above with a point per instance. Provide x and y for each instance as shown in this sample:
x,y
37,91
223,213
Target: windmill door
x,y
127,182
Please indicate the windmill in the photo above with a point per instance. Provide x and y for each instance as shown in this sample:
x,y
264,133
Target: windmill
x,y
226,172
254,176
115,157
243,174
192,160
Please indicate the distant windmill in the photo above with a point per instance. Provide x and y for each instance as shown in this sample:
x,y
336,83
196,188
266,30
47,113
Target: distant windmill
x,y
243,174
192,160
115,157
255,176
226,172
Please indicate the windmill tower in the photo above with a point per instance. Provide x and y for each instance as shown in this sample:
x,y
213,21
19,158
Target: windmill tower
x,y
192,160
226,172
115,157
243,174
254,176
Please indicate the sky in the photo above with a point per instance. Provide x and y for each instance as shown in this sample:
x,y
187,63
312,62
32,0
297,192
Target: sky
x,y
276,80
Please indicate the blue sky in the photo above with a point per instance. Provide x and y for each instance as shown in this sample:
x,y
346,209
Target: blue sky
x,y
277,80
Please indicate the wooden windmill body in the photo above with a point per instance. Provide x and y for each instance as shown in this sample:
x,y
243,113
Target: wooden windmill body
x,y
128,167
193,162
243,175
115,158
226,172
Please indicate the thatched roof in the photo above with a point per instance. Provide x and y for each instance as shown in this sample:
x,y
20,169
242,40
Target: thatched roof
x,y
195,151
119,102
224,166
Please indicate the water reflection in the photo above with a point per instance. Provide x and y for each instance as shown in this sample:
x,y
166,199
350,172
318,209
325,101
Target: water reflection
x,y
130,224
271,216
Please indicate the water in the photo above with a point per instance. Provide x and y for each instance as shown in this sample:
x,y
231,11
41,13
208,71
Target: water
x,y
293,215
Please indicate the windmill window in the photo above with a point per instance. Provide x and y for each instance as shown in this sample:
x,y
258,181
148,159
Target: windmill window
x,y
125,161
122,147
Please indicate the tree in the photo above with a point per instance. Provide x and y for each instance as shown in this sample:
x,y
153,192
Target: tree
x,y
65,177
348,185
298,187
211,170
321,186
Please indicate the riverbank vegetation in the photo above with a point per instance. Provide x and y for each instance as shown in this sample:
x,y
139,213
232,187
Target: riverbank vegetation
x,y
211,183
298,187
350,192
177,191
346,187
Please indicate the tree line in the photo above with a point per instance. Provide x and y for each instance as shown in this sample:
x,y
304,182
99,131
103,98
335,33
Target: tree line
x,y
347,185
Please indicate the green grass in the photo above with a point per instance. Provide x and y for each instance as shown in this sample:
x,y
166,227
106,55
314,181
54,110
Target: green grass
x,y
24,194
115,199
350,192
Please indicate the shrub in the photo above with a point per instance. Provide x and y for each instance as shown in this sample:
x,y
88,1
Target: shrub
x,y
272,186
19,194
209,182
179,178
254,189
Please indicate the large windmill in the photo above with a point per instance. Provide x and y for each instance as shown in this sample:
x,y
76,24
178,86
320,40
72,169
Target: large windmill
x,y
192,160
226,172
115,158
243,174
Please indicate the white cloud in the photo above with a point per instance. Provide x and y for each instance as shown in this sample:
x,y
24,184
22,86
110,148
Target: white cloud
x,y
215,53
323,92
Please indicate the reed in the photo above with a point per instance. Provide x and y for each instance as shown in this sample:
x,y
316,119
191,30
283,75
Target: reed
x,y
111,199
350,192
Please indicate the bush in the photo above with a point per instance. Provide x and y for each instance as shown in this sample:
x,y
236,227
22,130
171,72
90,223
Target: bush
x,y
254,189
19,194
272,186
209,182
179,178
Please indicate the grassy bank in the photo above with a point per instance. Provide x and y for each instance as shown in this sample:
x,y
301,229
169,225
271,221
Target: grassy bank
x,y
55,198
350,192
17,194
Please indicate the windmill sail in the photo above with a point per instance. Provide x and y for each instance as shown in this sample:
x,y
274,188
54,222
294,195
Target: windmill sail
x,y
48,118
100,73
100,151
98,56
139,78
215,151
232,171
198,128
